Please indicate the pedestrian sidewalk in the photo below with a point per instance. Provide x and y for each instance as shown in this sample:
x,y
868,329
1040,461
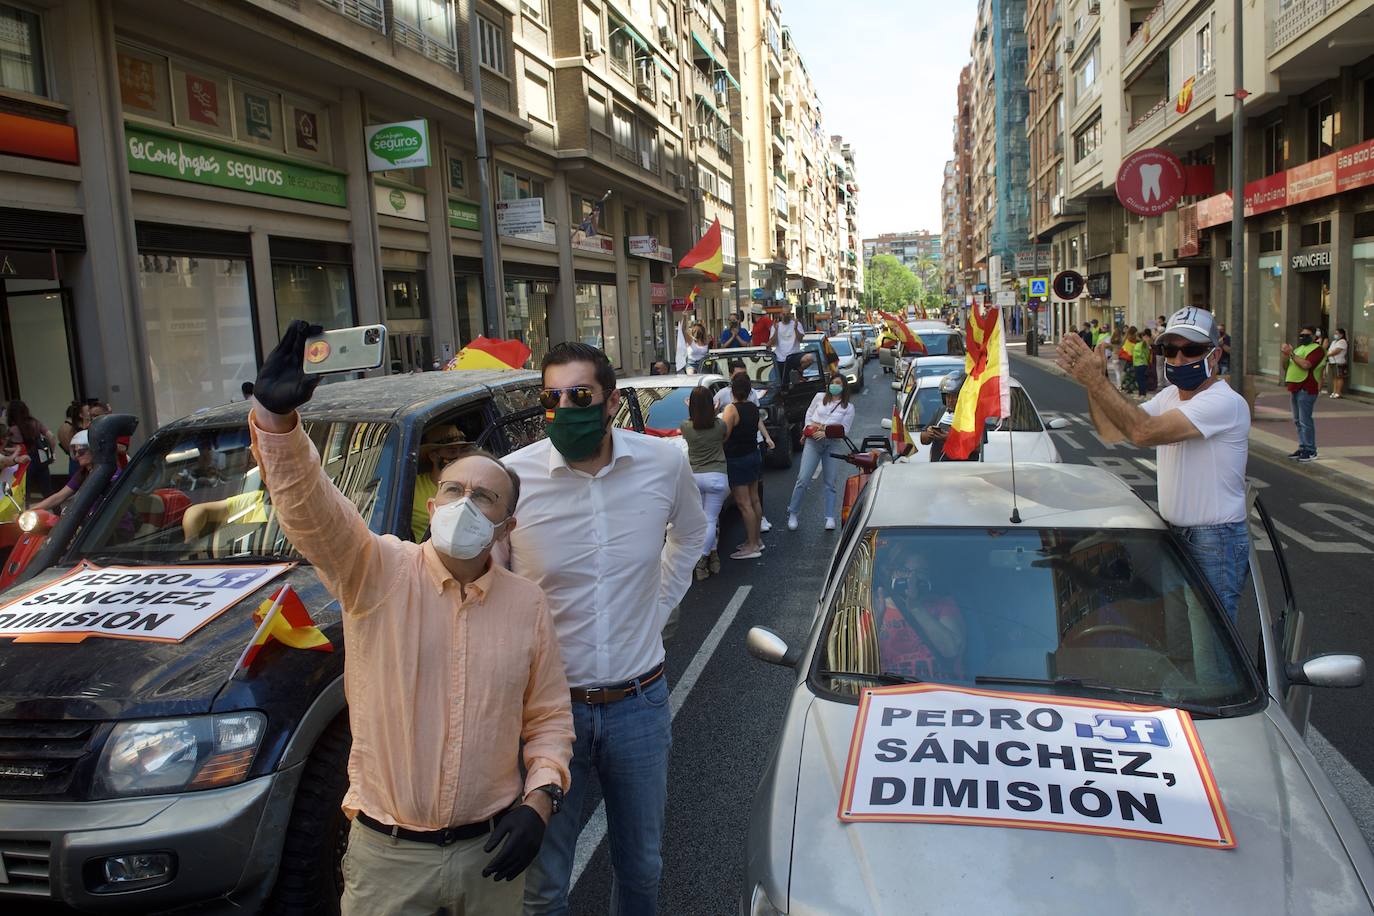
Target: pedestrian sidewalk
x,y
1345,428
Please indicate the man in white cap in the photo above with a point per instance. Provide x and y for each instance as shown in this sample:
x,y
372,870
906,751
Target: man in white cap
x,y
1200,428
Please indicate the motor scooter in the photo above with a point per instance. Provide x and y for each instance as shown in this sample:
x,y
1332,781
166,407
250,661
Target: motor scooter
x,y
866,457
21,538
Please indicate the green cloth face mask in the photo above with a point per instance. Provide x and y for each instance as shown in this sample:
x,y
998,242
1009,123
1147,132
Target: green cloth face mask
x,y
577,431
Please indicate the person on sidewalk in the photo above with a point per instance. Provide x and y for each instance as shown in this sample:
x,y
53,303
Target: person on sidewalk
x,y
830,411
1224,339
1339,356
610,527
1152,359
1086,334
453,674
744,462
1200,428
1140,362
1301,367
704,434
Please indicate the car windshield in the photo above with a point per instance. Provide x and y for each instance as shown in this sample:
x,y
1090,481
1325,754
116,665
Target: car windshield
x,y
940,344
662,408
198,495
1115,614
761,365
924,409
842,346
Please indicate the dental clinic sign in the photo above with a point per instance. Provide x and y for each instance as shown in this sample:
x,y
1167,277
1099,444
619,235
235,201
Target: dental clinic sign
x,y
402,145
1150,182
946,755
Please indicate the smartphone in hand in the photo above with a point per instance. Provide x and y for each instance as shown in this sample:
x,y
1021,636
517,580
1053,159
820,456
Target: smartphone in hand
x,y
345,350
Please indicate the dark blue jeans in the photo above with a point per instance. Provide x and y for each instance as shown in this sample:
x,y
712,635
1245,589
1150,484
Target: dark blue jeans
x,y
626,745
1303,403
1223,553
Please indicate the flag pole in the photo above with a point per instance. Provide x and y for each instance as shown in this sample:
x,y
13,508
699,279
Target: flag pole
x,y
262,628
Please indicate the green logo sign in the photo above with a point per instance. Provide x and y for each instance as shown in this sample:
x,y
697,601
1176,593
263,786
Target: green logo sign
x,y
396,143
397,200
166,155
463,215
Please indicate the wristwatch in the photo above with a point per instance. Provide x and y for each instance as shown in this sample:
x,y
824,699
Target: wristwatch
x,y
555,793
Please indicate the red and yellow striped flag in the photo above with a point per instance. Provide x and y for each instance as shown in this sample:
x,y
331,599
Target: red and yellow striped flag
x,y
987,386
911,342
708,256
284,618
489,353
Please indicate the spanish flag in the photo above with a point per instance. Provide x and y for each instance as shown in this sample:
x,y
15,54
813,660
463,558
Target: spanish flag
x,y
911,343
284,618
708,256
987,387
486,353
11,504
1185,96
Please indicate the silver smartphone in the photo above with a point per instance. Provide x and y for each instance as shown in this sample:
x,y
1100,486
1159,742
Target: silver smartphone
x,y
345,350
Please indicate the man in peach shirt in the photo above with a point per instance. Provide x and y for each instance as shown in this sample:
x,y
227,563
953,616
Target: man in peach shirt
x,y
452,663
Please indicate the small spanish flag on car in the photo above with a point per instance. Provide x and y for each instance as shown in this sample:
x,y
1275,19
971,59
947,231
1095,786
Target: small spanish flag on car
x,y
284,618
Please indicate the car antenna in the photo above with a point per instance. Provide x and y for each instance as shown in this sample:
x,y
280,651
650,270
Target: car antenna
x,y
1015,510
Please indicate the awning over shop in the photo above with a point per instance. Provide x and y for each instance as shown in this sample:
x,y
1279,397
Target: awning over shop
x,y
720,66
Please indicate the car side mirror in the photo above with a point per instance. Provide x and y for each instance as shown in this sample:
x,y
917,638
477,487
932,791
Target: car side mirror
x,y
896,386
1328,671
767,646
1058,423
887,423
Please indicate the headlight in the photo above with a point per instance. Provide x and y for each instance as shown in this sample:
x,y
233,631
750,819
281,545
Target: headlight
x,y
28,520
760,905
170,755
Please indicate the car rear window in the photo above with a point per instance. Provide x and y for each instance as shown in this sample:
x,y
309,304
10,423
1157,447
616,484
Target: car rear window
x,y
842,346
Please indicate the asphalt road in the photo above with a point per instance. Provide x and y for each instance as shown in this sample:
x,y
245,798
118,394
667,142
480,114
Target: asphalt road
x,y
728,706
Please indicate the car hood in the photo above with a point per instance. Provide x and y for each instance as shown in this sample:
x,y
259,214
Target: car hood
x,y
1288,857
104,678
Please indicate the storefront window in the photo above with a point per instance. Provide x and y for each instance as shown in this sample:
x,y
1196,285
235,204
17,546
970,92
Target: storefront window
x,y
527,314
198,318
1270,336
21,51
318,293
1362,321
598,319
39,349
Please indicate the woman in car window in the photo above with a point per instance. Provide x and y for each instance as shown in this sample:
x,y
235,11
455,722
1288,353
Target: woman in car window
x,y
829,411
920,634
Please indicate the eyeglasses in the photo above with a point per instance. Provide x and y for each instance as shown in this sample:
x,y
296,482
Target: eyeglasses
x,y
484,498
580,395
1194,350
78,451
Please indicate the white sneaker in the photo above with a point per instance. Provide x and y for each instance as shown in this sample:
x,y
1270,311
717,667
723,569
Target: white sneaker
x,y
830,524
791,522
764,525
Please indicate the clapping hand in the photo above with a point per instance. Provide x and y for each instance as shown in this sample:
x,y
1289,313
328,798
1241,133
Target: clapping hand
x,y
1078,360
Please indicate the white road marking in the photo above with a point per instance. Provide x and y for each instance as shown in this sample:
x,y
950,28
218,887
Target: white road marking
x,y
1350,784
1067,439
594,831
1147,464
1317,546
1357,523
1123,468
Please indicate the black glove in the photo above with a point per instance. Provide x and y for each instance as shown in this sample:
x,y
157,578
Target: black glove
x,y
523,830
282,384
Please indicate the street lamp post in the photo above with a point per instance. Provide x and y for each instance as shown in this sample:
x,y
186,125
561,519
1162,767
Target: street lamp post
x,y
1239,354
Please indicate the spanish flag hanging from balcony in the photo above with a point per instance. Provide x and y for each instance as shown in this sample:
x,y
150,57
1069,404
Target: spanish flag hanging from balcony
x,y
987,387
708,256
1185,96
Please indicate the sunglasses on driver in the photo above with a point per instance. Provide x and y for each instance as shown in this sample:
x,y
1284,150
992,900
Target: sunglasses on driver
x,y
579,395
1190,350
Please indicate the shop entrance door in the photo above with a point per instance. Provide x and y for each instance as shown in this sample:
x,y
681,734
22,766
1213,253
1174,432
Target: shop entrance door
x,y
408,328
38,357
410,351
1315,305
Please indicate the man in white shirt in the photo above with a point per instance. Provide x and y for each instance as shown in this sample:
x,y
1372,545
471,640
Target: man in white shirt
x,y
611,526
1200,428
787,336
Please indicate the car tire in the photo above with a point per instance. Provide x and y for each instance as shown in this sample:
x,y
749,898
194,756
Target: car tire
x,y
310,877
779,457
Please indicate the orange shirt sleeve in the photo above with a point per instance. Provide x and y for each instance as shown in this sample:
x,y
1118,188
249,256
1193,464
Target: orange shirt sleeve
x,y
547,729
321,522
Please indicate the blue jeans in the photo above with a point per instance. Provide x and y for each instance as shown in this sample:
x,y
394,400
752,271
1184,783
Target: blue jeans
x,y
1303,403
1223,554
814,453
626,744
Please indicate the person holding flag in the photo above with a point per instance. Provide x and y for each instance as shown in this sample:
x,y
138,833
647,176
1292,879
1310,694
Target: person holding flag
x,y
453,673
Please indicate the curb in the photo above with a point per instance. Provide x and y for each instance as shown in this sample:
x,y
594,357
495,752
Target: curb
x,y
1351,485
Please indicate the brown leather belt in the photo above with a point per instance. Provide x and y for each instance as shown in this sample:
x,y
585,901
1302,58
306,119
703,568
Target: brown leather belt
x,y
445,837
596,696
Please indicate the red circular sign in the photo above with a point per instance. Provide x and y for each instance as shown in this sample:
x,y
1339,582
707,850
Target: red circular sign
x,y
1150,182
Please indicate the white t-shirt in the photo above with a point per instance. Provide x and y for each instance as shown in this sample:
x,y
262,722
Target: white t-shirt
x,y
1202,481
724,397
789,334
823,414
1336,353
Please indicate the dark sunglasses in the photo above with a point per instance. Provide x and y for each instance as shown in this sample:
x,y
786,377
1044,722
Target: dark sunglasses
x,y
78,451
580,395
1192,350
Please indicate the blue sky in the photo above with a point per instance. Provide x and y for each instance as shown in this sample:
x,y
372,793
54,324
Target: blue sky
x,y
887,72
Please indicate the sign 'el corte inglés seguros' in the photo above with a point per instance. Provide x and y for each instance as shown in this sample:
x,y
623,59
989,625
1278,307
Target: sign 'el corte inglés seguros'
x,y
402,145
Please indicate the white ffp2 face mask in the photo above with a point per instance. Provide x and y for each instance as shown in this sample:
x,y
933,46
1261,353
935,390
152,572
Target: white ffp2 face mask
x,y
461,530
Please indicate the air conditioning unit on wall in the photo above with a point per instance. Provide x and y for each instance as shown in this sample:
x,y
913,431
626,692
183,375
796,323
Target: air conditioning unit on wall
x,y
591,45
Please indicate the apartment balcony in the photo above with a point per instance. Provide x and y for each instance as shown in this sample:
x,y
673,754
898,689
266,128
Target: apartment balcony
x,y
1287,25
1089,100
1164,114
367,12
428,45
780,198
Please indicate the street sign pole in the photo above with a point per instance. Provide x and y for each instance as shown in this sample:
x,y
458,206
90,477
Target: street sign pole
x,y
1239,352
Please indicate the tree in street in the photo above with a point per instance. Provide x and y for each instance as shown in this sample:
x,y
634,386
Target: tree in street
x,y
891,283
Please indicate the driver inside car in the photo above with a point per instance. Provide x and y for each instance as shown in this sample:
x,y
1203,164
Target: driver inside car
x,y
920,632
246,508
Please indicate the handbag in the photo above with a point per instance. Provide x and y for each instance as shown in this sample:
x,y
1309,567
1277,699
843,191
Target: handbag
x,y
834,431
809,430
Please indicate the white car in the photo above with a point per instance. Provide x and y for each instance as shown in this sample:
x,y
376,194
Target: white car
x,y
924,406
923,367
657,404
850,363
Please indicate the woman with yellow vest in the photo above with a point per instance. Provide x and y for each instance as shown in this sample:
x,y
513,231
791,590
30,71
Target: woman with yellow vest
x,y
1301,373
